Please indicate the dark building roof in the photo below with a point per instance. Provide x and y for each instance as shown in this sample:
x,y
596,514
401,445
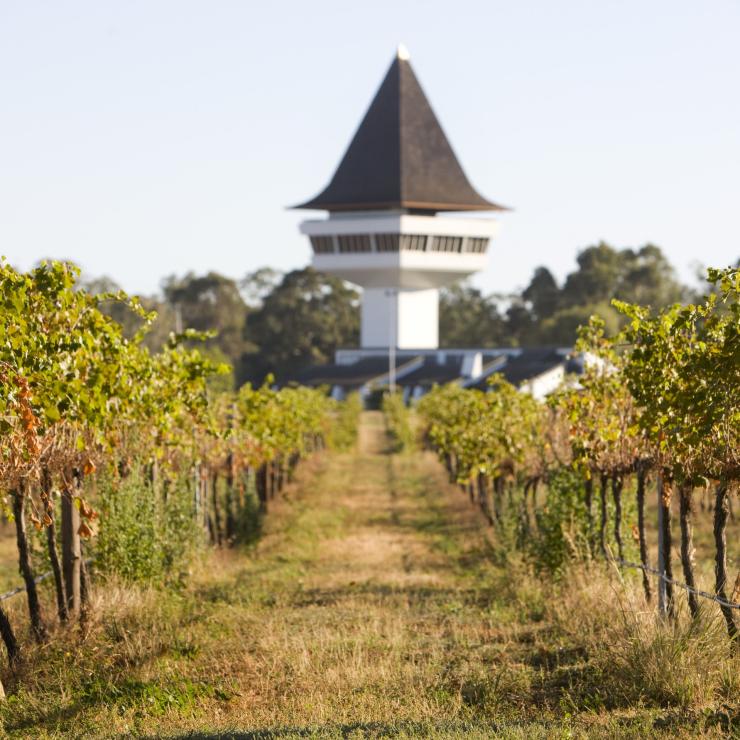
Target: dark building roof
x,y
424,371
432,372
400,157
532,362
355,375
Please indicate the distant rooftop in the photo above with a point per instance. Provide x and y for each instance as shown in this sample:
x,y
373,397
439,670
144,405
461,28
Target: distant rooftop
x,y
539,370
366,370
531,363
400,157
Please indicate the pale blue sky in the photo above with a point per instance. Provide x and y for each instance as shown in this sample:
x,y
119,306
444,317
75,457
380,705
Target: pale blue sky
x,y
145,137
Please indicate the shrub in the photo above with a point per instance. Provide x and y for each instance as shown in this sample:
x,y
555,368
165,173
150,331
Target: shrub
x,y
562,524
397,422
343,432
143,537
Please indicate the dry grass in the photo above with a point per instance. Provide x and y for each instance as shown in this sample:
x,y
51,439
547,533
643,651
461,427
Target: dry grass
x,y
9,576
376,604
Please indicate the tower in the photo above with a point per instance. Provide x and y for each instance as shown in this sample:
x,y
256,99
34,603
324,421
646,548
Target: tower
x,y
384,231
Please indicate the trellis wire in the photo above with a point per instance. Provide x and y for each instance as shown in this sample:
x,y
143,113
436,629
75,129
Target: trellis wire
x,y
664,577
38,579
679,584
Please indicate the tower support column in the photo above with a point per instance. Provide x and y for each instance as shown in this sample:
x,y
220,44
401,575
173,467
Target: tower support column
x,y
407,318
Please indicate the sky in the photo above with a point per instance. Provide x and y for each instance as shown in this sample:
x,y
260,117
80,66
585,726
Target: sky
x,y
142,138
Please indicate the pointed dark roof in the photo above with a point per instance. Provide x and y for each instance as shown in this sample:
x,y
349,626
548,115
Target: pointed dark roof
x,y
400,157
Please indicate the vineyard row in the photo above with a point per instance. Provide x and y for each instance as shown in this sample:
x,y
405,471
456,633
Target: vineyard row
x,y
90,419
659,402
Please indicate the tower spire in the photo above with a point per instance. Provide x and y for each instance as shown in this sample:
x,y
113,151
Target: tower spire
x,y
399,157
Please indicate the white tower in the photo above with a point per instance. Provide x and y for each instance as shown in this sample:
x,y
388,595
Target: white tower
x,y
383,231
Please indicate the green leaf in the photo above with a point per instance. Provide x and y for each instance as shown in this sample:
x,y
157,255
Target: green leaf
x,y
52,414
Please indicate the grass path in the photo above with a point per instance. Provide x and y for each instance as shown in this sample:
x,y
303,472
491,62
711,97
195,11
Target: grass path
x,y
373,605
361,611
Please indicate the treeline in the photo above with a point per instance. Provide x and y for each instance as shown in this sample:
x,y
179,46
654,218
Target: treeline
x,y
658,405
548,313
279,323
267,323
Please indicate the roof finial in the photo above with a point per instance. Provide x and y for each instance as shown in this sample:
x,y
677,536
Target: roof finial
x,y
403,53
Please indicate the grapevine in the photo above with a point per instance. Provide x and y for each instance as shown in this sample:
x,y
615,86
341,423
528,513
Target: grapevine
x,y
661,400
79,400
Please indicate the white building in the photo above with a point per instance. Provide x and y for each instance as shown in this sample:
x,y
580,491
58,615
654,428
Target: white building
x,y
390,230
384,231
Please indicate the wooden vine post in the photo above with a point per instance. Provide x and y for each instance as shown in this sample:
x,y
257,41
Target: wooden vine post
x,y
47,499
24,561
662,585
71,555
641,479
721,514
687,546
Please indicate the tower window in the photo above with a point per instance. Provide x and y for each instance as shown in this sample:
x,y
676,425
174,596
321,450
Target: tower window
x,y
477,244
413,242
387,242
354,243
447,244
322,244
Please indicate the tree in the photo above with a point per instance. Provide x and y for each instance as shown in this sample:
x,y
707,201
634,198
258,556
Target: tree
x,y
641,275
551,315
131,322
211,303
521,324
562,327
467,318
543,293
598,277
255,286
649,279
301,322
